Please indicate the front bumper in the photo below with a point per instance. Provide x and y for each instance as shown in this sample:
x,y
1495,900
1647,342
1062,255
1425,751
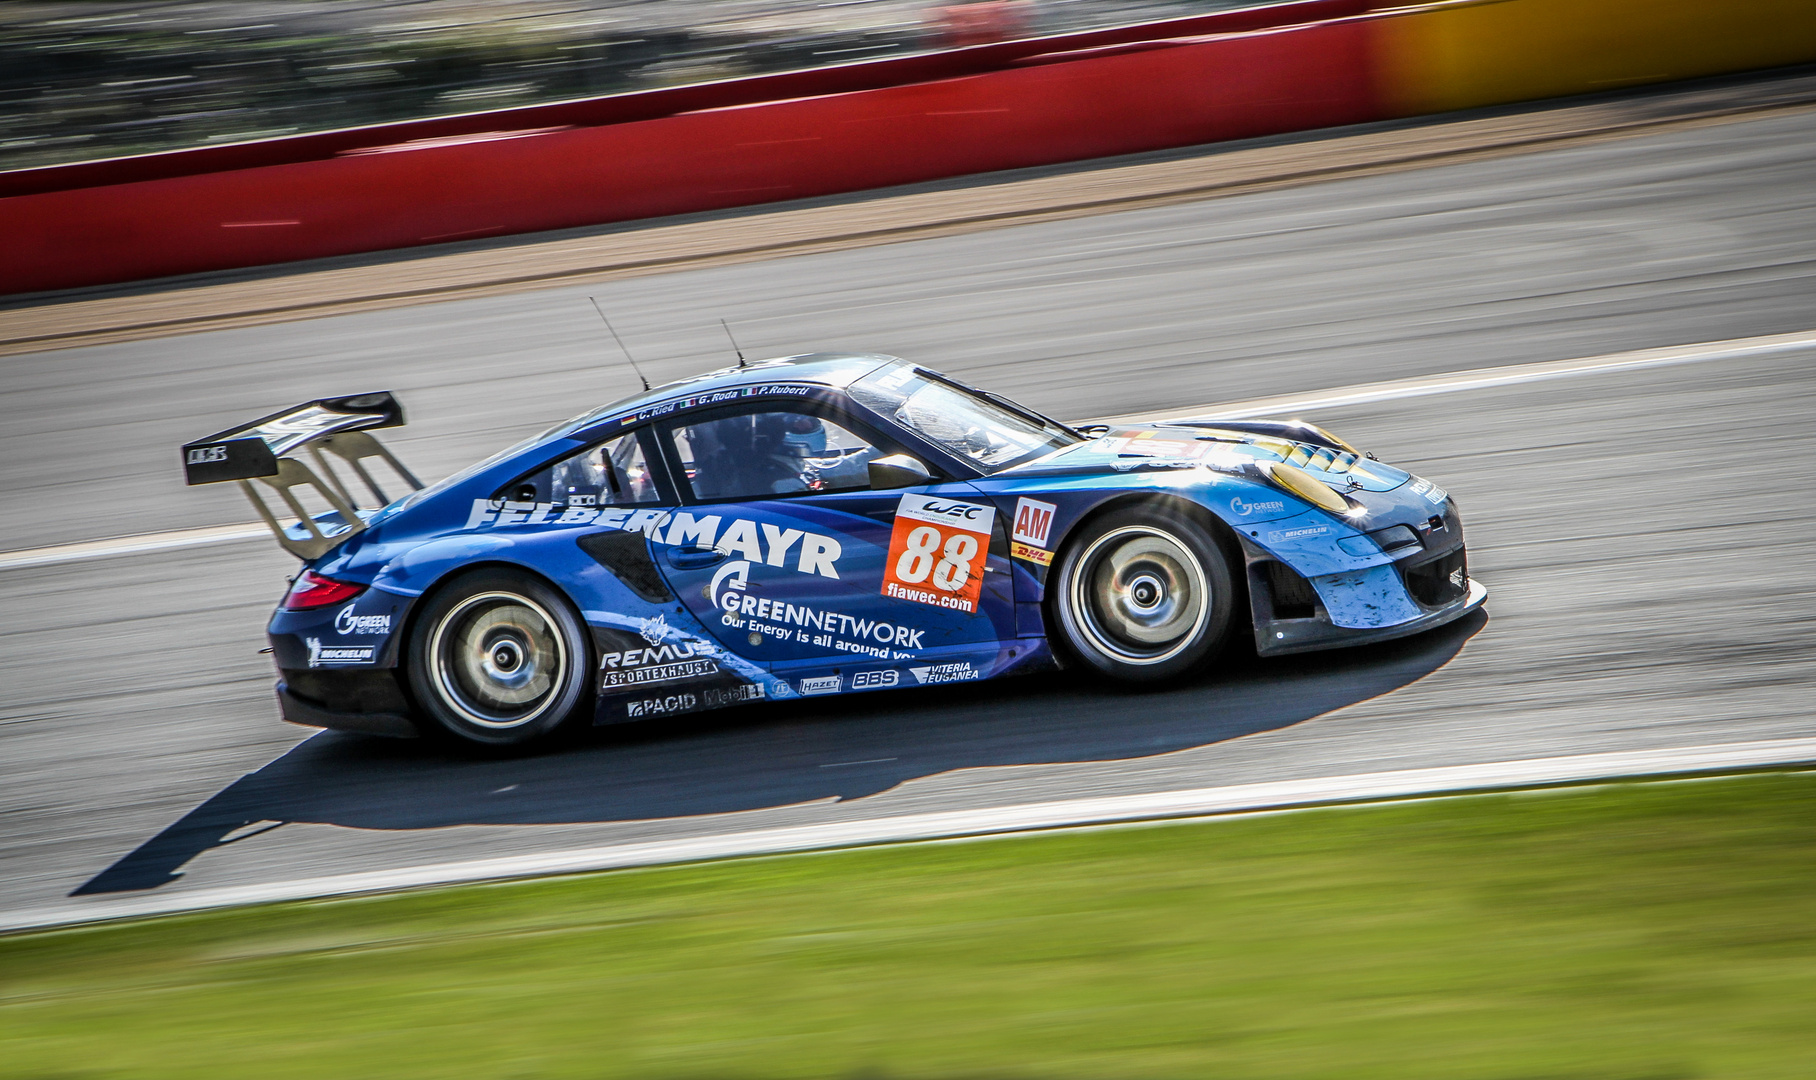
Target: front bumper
x,y
1416,591
1281,637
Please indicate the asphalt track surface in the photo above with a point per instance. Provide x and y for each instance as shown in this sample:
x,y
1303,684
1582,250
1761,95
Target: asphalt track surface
x,y
1644,532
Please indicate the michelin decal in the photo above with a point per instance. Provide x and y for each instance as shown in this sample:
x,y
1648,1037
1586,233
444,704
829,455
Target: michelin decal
x,y
336,655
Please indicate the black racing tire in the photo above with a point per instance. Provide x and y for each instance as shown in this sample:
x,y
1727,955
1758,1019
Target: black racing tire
x,y
499,659
1143,594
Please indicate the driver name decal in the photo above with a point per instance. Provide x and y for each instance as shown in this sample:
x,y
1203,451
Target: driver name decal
x,y
937,552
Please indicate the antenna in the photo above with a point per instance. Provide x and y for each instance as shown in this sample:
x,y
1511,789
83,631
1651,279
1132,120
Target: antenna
x,y
734,343
620,341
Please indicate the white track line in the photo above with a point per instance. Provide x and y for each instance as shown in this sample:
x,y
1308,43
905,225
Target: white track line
x,y
910,828
131,545
1482,378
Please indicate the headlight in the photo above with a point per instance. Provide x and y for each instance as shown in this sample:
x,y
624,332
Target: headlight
x,y
1306,486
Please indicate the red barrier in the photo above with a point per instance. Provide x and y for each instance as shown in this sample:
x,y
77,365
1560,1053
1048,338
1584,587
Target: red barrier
x,y
654,104
1183,93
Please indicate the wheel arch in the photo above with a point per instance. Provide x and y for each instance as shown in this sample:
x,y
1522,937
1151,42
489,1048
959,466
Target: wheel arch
x,y
423,602
1219,530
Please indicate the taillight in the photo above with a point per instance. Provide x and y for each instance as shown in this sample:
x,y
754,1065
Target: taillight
x,y
311,590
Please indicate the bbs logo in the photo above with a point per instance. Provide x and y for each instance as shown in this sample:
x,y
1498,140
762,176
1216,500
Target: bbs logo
x,y
206,455
874,680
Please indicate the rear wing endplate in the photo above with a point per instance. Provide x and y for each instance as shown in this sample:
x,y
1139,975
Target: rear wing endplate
x,y
268,450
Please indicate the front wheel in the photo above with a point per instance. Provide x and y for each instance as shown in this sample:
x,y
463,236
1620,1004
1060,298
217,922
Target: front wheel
x,y
499,659
1143,595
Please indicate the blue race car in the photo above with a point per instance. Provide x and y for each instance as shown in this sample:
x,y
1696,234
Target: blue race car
x,y
819,524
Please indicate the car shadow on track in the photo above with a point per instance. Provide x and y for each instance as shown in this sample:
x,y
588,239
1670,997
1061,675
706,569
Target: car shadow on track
x,y
779,755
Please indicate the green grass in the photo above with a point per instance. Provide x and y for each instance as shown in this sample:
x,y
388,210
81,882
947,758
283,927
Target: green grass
x,y
1635,932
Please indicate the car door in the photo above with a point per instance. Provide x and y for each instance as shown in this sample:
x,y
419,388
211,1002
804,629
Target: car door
x,y
791,560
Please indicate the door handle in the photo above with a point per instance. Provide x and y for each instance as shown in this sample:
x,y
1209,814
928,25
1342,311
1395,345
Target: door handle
x,y
694,558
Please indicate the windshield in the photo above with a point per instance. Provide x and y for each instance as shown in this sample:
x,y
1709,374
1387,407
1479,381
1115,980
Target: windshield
x,y
989,435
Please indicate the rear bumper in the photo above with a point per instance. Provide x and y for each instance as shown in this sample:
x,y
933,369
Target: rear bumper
x,y
297,710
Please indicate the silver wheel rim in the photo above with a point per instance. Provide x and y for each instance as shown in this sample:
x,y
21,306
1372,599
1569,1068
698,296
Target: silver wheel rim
x,y
499,660
1140,594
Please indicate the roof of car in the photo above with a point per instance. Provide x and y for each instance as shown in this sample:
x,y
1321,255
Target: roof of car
x,y
822,368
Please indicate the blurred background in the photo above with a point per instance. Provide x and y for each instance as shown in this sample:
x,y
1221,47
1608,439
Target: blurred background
x,y
85,80
1404,196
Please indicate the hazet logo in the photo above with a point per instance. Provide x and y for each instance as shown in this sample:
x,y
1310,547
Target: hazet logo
x,y
820,684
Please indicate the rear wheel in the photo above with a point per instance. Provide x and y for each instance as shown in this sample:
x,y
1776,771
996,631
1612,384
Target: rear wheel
x,y
499,659
1143,595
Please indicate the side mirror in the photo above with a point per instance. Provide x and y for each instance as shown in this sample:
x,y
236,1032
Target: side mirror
x,y
898,471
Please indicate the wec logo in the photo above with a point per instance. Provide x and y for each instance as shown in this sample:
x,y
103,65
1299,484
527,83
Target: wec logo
x,y
950,511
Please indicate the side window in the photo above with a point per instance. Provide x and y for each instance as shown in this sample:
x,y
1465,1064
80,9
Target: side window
x,y
753,455
612,473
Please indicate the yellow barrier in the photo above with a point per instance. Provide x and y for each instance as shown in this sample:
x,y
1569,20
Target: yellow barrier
x,y
1484,52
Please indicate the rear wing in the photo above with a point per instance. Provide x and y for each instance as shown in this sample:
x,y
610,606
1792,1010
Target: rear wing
x,y
268,450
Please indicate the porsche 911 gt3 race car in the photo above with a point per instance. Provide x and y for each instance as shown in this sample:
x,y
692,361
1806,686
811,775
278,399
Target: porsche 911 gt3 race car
x,y
812,525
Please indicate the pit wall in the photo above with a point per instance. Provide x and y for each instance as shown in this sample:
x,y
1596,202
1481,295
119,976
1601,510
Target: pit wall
x,y
1231,76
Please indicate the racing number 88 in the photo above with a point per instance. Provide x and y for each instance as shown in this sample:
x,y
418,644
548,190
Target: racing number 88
x,y
950,572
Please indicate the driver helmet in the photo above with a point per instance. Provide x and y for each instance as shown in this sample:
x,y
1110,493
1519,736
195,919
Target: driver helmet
x,y
806,436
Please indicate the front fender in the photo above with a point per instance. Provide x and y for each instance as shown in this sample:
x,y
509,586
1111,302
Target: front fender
x,y
1280,524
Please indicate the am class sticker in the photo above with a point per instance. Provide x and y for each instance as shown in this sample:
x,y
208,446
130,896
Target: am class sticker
x,y
1033,521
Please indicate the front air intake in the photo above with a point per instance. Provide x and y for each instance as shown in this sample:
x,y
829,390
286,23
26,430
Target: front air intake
x,y
1441,581
1293,595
